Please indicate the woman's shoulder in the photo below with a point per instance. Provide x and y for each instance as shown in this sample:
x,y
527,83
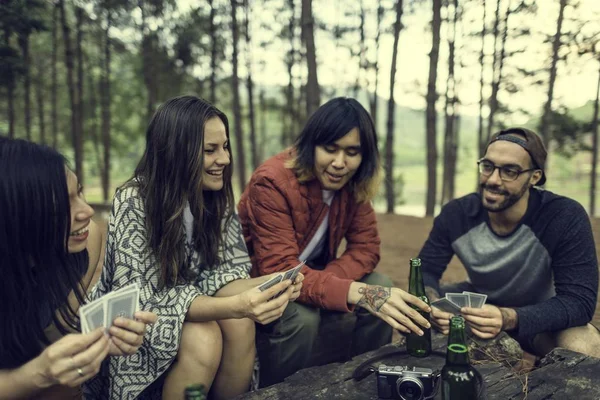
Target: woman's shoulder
x,y
96,248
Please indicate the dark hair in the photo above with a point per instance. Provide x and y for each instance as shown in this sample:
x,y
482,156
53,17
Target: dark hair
x,y
37,270
170,174
332,121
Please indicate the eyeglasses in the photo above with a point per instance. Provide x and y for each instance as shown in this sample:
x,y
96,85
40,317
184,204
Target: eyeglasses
x,y
507,174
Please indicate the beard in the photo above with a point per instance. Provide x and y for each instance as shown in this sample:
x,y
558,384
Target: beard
x,y
510,199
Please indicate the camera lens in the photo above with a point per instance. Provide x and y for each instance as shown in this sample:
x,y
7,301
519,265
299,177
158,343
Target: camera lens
x,y
409,388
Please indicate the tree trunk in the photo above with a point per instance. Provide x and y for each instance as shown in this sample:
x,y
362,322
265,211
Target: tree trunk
x,y
213,52
24,45
431,114
73,95
289,119
40,103
498,67
263,125
54,89
147,64
389,138
450,113
594,149
250,87
106,114
313,95
79,53
556,43
238,128
362,51
93,112
375,99
480,142
10,88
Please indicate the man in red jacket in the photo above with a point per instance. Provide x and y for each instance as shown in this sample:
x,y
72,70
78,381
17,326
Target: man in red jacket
x,y
299,205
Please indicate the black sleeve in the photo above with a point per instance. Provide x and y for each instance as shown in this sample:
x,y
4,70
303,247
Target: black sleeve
x,y
437,250
575,269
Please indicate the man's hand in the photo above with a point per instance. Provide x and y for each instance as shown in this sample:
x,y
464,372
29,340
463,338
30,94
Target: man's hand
x,y
393,305
488,321
440,320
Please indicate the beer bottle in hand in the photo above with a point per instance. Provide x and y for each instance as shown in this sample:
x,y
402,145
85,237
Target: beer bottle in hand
x,y
195,392
458,378
418,346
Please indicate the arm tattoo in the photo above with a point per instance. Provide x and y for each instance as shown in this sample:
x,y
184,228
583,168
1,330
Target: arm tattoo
x,y
373,297
431,293
509,318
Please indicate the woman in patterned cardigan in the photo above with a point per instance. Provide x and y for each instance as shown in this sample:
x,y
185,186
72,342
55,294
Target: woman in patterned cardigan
x,y
173,231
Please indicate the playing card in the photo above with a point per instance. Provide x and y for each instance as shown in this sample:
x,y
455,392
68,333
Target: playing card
x,y
446,306
92,315
477,300
121,304
293,273
461,300
271,282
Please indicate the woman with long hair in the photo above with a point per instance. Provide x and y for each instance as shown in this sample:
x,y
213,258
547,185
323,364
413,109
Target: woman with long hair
x,y
50,251
173,231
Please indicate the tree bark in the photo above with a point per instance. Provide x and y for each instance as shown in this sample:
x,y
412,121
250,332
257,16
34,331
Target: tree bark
x,y
263,125
106,113
389,137
556,43
595,149
362,50
24,45
213,52
313,95
54,78
289,119
73,95
250,87
480,142
373,103
430,113
40,103
79,54
10,88
238,128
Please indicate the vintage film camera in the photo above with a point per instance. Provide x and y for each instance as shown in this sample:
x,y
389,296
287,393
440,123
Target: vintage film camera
x,y
404,383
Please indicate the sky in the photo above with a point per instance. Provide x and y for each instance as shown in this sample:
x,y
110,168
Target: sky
x,y
576,83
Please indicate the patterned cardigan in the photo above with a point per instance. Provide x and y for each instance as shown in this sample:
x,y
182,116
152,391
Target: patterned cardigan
x,y
129,259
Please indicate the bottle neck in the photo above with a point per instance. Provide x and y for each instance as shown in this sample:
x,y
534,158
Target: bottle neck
x,y
457,354
415,283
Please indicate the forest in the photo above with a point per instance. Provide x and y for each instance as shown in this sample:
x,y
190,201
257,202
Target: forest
x,y
438,77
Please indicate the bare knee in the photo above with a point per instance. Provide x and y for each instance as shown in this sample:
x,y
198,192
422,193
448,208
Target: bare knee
x,y
201,345
238,331
582,339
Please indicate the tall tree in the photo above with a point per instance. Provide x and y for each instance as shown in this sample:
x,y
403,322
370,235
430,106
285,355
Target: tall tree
x,y
362,50
389,138
105,103
76,138
54,77
10,68
480,141
79,54
594,173
250,86
373,101
39,93
24,45
431,115
290,118
212,30
313,94
237,112
556,43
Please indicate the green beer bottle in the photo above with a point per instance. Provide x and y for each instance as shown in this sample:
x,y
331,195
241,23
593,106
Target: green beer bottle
x,y
418,346
195,392
458,378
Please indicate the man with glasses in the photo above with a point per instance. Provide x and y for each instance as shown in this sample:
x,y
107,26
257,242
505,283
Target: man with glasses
x,y
529,250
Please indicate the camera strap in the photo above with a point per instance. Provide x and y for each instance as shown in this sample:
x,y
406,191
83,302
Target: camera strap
x,y
366,368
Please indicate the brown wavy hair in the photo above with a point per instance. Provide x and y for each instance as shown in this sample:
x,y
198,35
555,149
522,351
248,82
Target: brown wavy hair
x,y
169,175
332,121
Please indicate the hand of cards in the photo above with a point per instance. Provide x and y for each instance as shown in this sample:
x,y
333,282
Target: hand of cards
x,y
453,302
289,274
103,311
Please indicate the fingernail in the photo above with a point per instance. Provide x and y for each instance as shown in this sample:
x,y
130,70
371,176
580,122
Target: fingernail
x,y
428,326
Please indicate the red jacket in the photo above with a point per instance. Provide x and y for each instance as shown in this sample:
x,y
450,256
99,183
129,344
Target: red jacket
x,y
280,215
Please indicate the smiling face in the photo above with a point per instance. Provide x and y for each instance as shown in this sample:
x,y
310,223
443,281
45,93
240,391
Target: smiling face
x,y
81,215
336,163
216,154
498,195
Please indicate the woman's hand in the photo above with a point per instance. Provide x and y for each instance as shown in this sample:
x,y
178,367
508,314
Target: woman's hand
x,y
72,360
127,335
265,307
